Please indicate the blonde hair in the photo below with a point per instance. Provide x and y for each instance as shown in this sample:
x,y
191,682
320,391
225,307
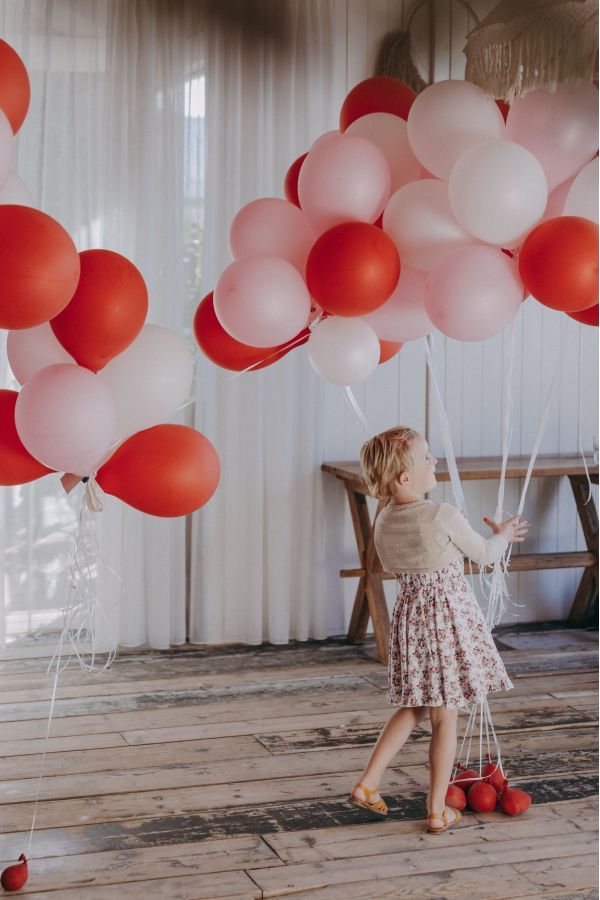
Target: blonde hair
x,y
384,457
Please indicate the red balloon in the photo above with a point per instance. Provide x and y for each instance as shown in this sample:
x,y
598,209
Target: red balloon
x,y
559,263
587,316
15,92
352,269
167,470
39,267
13,878
107,311
222,349
378,94
17,465
388,350
290,184
504,108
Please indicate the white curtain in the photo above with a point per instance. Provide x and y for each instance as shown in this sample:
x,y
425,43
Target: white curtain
x,y
103,150
260,548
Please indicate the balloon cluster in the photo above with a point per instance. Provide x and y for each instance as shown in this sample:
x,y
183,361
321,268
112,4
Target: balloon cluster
x,y
97,383
443,210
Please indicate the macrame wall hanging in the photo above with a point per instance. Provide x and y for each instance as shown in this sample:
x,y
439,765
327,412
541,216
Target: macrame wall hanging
x,y
518,47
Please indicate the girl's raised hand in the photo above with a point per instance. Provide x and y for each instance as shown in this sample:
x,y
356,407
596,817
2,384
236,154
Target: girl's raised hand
x,y
513,530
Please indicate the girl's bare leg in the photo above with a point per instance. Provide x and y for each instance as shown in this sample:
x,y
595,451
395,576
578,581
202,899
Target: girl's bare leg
x,y
442,750
393,736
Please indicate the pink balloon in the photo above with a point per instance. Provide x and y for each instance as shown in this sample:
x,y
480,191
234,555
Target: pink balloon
x,y
344,178
272,227
32,349
473,294
403,316
66,418
561,129
262,301
556,200
7,149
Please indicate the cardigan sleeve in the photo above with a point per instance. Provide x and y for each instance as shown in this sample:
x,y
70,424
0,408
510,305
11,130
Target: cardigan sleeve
x,y
473,545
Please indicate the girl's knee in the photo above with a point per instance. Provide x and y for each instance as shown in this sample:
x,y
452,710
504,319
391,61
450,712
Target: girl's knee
x,y
441,716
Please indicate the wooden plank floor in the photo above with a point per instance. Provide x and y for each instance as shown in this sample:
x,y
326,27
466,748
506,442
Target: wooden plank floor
x,y
223,772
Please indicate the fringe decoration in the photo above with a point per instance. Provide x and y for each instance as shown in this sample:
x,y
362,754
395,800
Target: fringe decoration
x,y
522,47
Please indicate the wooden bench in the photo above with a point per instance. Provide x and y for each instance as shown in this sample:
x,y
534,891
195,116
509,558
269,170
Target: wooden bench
x,y
370,600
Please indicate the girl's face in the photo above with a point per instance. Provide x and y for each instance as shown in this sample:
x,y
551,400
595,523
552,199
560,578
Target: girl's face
x,y
421,478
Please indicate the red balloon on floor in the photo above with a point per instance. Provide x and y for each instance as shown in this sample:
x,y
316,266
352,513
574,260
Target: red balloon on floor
x,y
17,465
107,311
15,91
222,349
378,94
290,184
13,878
586,316
39,267
352,269
167,470
559,263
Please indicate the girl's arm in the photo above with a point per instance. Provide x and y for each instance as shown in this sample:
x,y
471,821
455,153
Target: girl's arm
x,y
470,542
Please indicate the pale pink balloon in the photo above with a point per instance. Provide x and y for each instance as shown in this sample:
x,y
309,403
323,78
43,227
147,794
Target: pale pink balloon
x,y
32,349
272,227
446,119
560,128
420,221
344,178
403,316
498,192
262,301
389,133
324,137
474,293
66,418
582,196
7,149
556,200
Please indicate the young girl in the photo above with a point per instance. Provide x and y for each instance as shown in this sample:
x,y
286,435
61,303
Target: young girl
x,y
442,655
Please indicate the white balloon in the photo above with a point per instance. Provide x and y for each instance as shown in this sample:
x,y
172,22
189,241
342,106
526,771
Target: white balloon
x,y
343,351
32,349
16,192
389,133
403,316
582,199
149,380
498,192
419,220
446,119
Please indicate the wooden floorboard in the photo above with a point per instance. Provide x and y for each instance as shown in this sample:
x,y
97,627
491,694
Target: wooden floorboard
x,y
224,772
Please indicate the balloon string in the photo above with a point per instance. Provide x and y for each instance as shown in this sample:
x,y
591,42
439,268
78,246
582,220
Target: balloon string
x,y
355,407
81,613
459,497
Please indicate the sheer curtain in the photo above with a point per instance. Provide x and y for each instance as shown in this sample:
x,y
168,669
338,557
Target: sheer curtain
x,y
259,548
103,150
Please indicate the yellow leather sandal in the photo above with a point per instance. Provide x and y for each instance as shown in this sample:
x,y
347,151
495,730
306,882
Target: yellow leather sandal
x,y
444,817
377,807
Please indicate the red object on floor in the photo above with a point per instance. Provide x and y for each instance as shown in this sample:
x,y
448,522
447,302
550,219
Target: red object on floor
x,y
14,877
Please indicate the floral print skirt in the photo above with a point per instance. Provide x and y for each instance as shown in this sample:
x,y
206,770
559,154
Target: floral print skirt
x,y
441,650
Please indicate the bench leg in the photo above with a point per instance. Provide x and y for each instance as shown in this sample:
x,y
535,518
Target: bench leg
x,y
585,605
357,628
370,600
